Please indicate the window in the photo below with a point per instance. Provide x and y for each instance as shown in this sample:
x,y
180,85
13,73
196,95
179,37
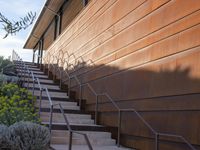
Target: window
x,y
57,25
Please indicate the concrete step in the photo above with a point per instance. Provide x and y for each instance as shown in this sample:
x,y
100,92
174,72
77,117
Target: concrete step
x,y
81,141
42,81
37,72
31,68
96,138
85,147
56,87
65,105
42,75
38,76
61,120
57,99
52,94
70,116
95,134
77,127
69,111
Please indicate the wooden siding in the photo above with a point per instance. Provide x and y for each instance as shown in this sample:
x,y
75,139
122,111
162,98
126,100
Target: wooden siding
x,y
145,54
70,11
49,36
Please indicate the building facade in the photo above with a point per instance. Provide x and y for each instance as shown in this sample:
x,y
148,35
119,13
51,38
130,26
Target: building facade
x,y
144,53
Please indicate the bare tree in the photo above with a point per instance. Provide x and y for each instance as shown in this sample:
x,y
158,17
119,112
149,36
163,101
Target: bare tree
x,y
12,27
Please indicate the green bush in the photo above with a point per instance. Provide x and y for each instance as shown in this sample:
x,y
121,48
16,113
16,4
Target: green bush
x,y
24,136
16,105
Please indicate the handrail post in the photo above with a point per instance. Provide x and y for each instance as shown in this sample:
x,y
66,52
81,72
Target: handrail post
x,y
69,87
70,140
24,71
60,79
20,69
51,118
157,141
28,72
40,102
54,72
80,98
48,70
33,90
119,128
96,109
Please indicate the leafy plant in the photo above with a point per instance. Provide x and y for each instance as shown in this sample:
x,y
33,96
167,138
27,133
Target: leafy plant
x,y
7,67
2,79
24,136
4,136
16,105
29,136
7,71
12,27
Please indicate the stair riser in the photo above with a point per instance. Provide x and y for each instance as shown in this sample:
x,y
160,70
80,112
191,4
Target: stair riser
x,y
65,134
85,147
75,116
64,104
77,127
57,110
42,81
71,120
81,141
52,94
35,75
44,86
57,107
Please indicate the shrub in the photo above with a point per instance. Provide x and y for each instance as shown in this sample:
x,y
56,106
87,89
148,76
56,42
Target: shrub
x,y
4,136
24,136
7,71
16,105
29,136
7,67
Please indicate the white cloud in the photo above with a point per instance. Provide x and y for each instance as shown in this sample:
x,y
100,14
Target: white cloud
x,y
14,43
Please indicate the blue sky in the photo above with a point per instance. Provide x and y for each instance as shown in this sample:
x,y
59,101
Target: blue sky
x,y
14,9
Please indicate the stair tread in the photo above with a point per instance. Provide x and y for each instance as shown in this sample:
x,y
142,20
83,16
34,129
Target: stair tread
x,y
65,133
97,134
43,85
68,115
85,147
72,124
44,101
52,94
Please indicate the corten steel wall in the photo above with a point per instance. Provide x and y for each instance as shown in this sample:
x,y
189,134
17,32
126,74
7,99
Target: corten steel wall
x,y
146,55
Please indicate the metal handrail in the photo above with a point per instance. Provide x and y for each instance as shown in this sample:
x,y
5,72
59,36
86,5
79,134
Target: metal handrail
x,y
65,118
29,75
157,134
40,98
72,131
66,121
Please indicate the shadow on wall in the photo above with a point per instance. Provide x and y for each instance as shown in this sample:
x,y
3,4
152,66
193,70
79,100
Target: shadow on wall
x,y
166,96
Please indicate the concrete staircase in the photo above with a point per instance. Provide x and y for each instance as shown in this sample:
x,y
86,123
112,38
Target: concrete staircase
x,y
99,136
